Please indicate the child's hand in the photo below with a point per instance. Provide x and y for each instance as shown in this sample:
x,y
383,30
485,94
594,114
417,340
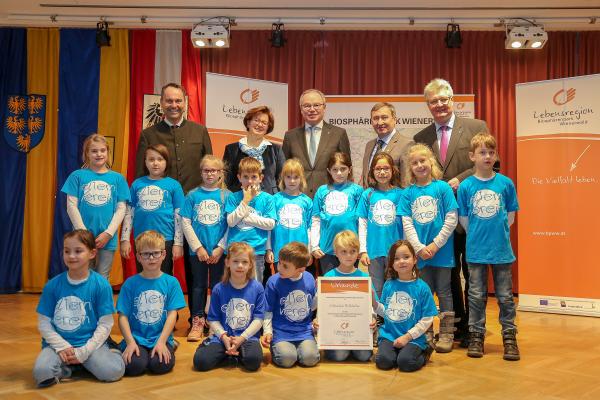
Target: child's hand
x,y
424,254
266,340
202,254
236,342
454,182
177,252
102,239
226,343
364,259
128,352
317,254
216,255
162,351
269,257
315,326
249,193
125,249
68,356
433,248
401,341
373,324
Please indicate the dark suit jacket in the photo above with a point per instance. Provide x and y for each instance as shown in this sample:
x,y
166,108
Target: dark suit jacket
x,y
273,159
333,139
396,148
457,165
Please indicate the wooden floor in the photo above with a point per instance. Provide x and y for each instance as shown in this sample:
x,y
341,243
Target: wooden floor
x,y
560,360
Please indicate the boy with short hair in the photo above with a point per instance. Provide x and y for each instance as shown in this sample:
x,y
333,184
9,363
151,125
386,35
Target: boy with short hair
x,y
251,212
147,307
290,298
487,204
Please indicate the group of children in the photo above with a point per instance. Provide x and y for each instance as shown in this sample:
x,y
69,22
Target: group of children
x,y
343,224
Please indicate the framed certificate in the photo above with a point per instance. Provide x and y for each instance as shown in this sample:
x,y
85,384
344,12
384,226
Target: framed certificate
x,y
344,312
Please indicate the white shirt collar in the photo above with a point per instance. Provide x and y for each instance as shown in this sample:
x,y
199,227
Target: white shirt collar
x,y
307,126
244,141
449,124
171,124
386,139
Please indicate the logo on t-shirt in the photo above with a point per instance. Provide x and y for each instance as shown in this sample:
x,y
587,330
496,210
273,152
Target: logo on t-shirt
x,y
400,306
149,306
384,212
486,203
295,305
290,216
70,314
336,203
150,197
424,209
208,212
237,313
97,193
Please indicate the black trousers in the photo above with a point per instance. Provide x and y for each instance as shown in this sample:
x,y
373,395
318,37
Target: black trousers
x,y
460,296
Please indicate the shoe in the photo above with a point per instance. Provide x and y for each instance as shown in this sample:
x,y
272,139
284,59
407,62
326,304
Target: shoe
x,y
427,353
462,338
196,331
476,340
446,335
511,349
113,346
175,345
429,337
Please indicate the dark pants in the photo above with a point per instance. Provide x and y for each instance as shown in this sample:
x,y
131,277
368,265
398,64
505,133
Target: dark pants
x,y
407,359
139,364
187,266
210,355
167,264
204,274
459,302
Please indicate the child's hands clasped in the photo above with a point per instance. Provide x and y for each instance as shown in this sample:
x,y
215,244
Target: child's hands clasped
x,y
68,356
266,340
402,341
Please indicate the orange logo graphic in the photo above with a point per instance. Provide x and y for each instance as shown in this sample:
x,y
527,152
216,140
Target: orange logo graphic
x,y
345,325
563,97
460,106
249,96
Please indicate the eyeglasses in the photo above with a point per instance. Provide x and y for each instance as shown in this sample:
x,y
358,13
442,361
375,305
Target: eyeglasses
x,y
316,106
210,171
441,100
382,170
260,122
382,118
154,254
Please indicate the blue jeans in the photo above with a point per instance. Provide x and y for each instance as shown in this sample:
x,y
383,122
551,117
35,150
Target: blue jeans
x,y
438,280
407,359
342,355
104,261
478,294
103,364
377,273
202,272
139,364
210,355
285,354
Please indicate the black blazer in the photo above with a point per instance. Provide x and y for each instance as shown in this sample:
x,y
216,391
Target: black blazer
x,y
273,159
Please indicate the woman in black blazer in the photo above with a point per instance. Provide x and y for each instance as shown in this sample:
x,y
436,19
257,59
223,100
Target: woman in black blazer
x,y
259,121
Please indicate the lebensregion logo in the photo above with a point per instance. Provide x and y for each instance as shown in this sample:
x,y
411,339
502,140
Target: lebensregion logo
x,y
563,96
248,96
573,114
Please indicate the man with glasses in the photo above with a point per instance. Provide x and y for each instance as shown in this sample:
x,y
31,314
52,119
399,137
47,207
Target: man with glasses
x,y
314,142
450,138
383,119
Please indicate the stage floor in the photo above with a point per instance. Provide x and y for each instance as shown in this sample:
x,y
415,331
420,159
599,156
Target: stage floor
x,y
560,360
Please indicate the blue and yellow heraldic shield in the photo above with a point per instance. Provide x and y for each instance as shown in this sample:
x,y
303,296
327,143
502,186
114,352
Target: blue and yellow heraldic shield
x,y
24,123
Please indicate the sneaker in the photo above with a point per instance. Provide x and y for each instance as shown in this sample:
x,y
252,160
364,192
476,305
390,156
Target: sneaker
x,y
511,349
196,331
476,340
446,335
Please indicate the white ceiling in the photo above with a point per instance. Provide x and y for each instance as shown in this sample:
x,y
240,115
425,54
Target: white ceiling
x,y
304,14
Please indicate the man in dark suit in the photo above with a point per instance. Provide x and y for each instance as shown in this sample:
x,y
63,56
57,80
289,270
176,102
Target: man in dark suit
x,y
314,142
450,138
383,119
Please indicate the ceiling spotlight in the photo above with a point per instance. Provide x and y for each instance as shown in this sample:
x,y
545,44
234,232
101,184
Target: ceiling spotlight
x,y
525,37
453,38
277,35
102,36
210,35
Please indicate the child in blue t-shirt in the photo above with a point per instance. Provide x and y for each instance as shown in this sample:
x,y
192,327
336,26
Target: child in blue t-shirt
x,y
205,227
408,309
290,300
96,199
250,213
429,216
75,318
293,209
155,204
334,210
147,306
488,202
236,313
346,246
378,225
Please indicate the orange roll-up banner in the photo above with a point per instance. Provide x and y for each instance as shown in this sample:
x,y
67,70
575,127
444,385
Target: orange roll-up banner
x,y
558,175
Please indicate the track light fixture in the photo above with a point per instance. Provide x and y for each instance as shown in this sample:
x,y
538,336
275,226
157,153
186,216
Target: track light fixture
x,y
277,35
210,34
453,37
102,36
525,37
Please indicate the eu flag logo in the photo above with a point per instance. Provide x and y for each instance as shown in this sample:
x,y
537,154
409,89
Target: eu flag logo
x,y
25,119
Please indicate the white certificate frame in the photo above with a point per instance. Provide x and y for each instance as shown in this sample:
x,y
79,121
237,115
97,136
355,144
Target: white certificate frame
x,y
344,313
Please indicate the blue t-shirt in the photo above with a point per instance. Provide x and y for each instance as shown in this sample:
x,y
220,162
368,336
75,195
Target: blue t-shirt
x,y
146,303
206,211
97,195
293,220
405,304
427,206
154,203
384,227
291,303
74,310
487,204
261,205
235,308
336,206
